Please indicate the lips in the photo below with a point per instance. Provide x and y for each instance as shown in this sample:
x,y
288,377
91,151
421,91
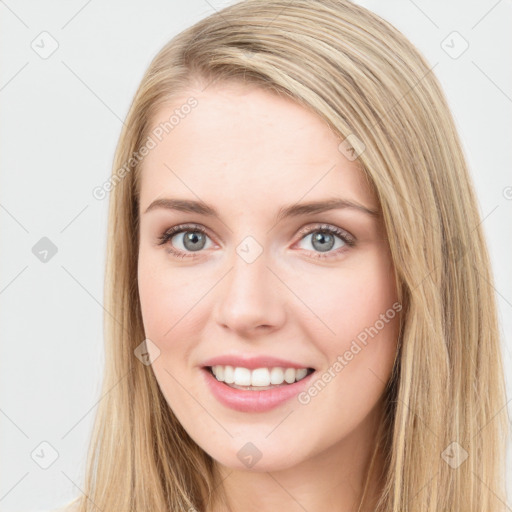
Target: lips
x,y
253,401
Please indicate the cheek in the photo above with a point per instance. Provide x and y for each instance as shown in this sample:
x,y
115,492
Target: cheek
x,y
168,296
344,301
169,299
355,325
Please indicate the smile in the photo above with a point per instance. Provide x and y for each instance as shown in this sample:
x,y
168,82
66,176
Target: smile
x,y
259,378
255,398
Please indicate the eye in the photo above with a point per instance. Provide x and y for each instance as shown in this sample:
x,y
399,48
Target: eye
x,y
189,238
323,239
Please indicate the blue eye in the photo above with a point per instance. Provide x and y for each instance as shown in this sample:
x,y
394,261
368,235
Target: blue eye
x,y
323,239
192,241
195,237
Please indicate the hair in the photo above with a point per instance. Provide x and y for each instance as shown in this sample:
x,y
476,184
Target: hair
x,y
371,85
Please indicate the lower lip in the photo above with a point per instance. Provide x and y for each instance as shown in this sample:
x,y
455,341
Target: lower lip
x,y
253,401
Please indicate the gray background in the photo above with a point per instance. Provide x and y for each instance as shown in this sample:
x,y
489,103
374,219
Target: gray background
x,y
62,116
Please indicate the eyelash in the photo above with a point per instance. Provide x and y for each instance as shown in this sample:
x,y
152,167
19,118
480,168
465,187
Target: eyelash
x,y
349,241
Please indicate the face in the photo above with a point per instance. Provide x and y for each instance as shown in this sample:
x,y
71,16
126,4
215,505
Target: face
x,y
249,275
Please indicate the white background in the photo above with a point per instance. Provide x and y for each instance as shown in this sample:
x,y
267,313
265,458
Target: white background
x,y
61,120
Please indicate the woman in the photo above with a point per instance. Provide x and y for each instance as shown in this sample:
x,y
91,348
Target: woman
x,y
297,280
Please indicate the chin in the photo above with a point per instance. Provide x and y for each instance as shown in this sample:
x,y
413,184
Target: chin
x,y
250,458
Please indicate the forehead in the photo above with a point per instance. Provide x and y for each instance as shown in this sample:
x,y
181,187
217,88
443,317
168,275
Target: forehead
x,y
242,145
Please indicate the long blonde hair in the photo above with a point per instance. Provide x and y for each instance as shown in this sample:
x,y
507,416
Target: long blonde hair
x,y
445,428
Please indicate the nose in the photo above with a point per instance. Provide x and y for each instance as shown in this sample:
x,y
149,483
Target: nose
x,y
249,301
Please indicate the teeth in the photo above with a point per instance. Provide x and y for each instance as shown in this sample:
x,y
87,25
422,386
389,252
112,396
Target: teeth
x,y
260,377
229,374
242,376
289,375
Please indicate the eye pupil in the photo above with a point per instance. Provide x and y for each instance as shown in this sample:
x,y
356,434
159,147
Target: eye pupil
x,y
320,237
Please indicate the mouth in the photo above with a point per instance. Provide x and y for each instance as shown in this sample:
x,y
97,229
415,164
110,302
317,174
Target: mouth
x,y
259,379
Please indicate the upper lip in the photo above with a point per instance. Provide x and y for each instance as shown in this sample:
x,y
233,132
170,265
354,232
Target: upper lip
x,y
252,362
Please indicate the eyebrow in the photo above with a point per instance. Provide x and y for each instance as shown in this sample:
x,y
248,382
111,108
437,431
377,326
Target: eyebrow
x,y
294,210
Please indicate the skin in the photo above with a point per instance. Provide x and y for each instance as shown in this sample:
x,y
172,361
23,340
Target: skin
x,y
248,152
